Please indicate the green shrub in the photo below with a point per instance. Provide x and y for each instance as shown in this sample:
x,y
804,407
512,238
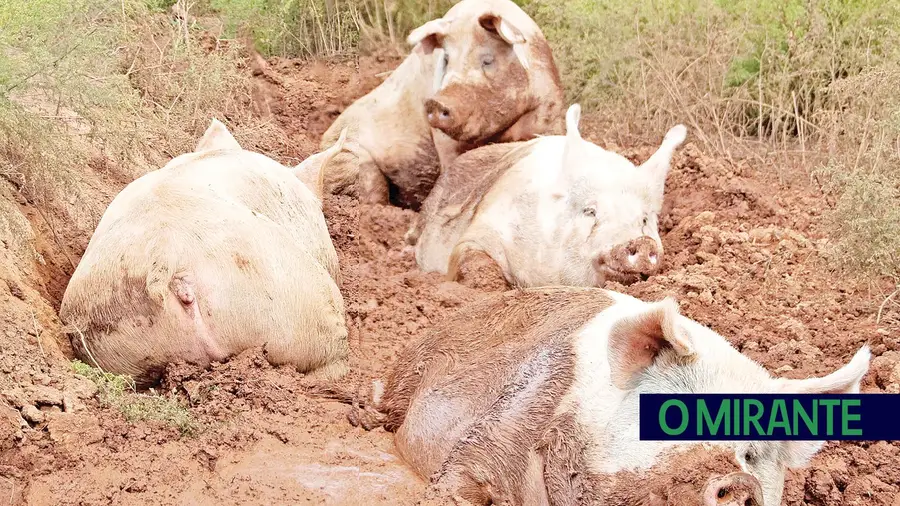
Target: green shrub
x,y
303,28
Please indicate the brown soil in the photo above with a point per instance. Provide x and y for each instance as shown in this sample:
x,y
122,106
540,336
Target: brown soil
x,y
745,256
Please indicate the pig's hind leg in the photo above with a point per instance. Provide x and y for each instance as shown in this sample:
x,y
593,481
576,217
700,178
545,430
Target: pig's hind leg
x,y
471,266
560,456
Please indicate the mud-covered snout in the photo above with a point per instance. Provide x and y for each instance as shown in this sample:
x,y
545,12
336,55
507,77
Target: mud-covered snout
x,y
634,260
472,113
441,115
734,489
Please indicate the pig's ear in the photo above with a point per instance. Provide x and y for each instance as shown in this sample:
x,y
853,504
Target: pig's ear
x,y
572,150
845,380
657,166
506,31
429,35
311,171
573,118
216,136
636,340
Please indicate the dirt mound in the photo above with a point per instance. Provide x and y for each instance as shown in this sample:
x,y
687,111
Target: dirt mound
x,y
744,255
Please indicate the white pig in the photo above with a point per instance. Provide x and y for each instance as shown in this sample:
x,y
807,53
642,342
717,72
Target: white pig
x,y
219,251
482,73
557,210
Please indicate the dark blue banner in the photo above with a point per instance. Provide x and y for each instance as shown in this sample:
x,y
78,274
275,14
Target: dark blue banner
x,y
800,417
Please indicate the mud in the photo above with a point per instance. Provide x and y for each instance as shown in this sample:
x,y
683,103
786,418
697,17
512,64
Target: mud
x,y
744,255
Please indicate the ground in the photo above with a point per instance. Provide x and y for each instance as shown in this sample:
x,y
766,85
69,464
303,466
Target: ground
x,y
744,255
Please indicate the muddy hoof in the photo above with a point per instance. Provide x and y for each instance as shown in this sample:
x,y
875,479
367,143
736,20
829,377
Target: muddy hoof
x,y
479,271
353,416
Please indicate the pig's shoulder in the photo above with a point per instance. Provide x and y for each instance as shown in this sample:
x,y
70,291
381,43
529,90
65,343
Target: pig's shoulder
x,y
532,315
471,176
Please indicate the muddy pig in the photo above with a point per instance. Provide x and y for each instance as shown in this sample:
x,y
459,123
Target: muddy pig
x,y
219,251
482,73
530,397
557,210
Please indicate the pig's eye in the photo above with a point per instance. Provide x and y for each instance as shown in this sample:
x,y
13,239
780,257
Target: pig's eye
x,y
749,457
487,60
589,211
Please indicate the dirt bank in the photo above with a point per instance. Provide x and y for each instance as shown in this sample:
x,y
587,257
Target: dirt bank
x,y
744,255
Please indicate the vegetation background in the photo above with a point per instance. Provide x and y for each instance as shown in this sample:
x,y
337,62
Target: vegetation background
x,y
813,82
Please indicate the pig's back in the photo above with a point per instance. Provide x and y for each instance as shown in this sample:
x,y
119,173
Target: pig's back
x,y
508,357
248,239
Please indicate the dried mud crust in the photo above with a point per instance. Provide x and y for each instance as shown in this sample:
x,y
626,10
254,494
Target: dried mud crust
x,y
744,256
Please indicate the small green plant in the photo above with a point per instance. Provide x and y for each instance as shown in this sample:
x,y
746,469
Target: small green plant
x,y
119,392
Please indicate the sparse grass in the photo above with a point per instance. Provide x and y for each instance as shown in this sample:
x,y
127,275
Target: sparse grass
x,y
118,391
302,28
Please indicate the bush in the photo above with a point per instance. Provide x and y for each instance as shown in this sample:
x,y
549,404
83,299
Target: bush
x,y
749,68
109,85
303,28
863,174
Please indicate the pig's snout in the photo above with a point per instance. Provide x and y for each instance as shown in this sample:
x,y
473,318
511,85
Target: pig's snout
x,y
638,258
439,114
735,489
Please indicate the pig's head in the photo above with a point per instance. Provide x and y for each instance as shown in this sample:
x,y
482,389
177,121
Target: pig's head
x,y
653,349
489,59
607,209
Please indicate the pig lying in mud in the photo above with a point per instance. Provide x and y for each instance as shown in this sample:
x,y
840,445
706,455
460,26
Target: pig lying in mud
x,y
530,397
483,73
557,210
219,251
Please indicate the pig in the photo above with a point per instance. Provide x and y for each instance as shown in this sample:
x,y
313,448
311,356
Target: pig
x,y
530,397
220,250
557,210
483,73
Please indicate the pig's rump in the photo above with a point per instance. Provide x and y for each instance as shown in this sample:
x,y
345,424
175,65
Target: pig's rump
x,y
199,272
452,204
492,384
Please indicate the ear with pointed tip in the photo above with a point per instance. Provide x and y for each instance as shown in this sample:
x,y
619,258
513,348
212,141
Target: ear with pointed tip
x,y
845,380
657,166
636,341
311,171
572,150
505,30
216,136
429,35
573,118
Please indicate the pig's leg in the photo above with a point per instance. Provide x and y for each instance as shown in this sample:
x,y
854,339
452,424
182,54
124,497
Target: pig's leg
x,y
561,451
373,184
354,172
471,266
412,235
